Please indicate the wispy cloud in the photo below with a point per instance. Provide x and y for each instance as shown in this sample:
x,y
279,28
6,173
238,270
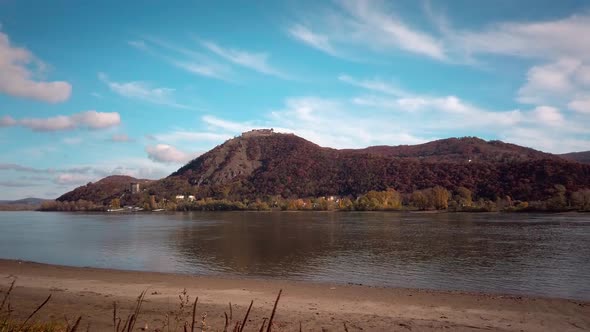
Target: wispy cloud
x,y
230,126
181,57
369,24
87,119
315,40
143,91
16,79
550,39
563,43
16,184
375,85
251,60
391,115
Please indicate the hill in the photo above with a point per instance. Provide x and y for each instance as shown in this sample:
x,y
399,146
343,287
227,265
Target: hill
x,y
103,191
263,164
21,204
460,150
581,157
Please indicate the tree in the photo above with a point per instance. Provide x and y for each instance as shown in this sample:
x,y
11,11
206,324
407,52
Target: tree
x,y
419,200
345,204
581,199
379,200
439,198
465,198
116,203
557,201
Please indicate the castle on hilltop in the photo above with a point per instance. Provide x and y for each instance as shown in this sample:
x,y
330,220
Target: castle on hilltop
x,y
258,132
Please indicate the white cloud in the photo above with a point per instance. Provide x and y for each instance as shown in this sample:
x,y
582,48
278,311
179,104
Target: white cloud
x,y
86,119
16,78
548,115
553,81
554,141
73,179
564,44
168,154
143,91
252,60
581,105
392,115
97,120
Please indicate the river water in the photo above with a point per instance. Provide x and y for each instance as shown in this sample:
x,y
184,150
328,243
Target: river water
x,y
529,254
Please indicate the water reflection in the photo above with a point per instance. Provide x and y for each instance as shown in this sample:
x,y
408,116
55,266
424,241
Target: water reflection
x,y
531,254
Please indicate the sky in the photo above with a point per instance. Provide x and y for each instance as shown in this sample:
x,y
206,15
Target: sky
x,y
95,88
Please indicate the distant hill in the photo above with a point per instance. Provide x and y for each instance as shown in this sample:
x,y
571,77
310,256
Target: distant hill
x,y
263,164
21,204
581,157
460,150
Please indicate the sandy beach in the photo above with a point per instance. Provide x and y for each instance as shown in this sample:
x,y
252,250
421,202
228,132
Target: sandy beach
x,y
90,292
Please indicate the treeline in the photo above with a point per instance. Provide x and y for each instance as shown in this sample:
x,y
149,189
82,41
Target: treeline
x,y
79,205
430,199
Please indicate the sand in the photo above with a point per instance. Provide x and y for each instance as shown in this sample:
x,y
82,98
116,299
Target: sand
x,y
90,292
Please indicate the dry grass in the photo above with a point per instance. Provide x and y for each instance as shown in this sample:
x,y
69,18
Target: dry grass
x,y
183,319
10,324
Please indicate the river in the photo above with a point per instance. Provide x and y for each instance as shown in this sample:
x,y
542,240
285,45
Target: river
x,y
528,254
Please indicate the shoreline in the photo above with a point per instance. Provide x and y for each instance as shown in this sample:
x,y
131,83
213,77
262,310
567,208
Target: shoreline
x,y
90,292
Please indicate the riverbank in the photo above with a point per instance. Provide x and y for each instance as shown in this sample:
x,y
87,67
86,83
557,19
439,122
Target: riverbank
x,y
91,292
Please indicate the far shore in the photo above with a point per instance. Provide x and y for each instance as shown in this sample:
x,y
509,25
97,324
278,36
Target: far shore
x,y
90,292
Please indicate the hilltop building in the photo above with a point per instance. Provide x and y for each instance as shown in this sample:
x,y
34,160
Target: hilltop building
x,y
258,132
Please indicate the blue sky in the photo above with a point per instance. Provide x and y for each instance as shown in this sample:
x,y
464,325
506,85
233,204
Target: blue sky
x,y
89,89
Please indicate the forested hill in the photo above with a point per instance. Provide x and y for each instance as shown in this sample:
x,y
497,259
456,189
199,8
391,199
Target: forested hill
x,y
103,191
290,166
581,157
460,150
263,164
